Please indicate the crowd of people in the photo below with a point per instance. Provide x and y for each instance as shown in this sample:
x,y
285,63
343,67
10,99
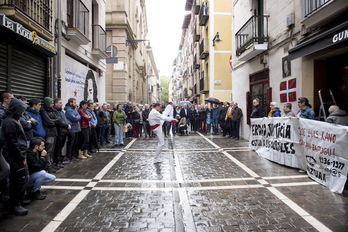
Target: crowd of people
x,y
336,115
39,137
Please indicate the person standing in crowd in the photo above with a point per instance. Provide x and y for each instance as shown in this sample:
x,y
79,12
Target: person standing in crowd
x,y
305,109
156,120
63,128
337,116
34,112
27,122
104,116
209,122
202,118
136,122
215,115
172,114
14,150
287,110
147,127
222,118
237,114
228,119
84,123
129,110
275,111
5,99
74,117
119,118
93,141
257,109
36,165
50,122
195,118
141,125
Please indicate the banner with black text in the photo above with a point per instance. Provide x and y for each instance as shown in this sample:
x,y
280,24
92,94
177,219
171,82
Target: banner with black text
x,y
320,148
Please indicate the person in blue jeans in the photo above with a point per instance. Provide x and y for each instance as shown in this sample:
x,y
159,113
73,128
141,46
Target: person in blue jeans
x,y
215,114
36,166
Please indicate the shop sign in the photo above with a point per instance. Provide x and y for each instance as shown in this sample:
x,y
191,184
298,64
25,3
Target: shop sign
x,y
30,35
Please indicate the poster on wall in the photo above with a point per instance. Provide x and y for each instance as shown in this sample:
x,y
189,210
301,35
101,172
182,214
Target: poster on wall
x,y
315,146
80,81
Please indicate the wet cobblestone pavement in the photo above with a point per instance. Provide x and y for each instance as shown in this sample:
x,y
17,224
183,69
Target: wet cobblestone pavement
x,y
206,183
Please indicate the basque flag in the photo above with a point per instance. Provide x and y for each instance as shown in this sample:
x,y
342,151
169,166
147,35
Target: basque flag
x,y
287,90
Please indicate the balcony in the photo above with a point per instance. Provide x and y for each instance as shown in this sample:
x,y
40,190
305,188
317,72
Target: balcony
x,y
195,64
252,38
197,7
35,15
80,32
316,13
99,42
203,49
203,14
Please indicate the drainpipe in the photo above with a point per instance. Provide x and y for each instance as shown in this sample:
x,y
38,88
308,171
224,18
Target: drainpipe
x,y
57,58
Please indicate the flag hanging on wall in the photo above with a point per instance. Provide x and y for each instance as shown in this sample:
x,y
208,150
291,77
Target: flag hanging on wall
x,y
287,90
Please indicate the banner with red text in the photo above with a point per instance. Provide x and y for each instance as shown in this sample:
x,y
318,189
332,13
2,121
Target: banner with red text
x,y
318,147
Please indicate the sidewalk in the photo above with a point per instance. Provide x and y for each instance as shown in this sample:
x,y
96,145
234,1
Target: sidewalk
x,y
206,183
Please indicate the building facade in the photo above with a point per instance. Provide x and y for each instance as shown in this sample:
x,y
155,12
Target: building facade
x,y
280,56
206,49
127,80
53,48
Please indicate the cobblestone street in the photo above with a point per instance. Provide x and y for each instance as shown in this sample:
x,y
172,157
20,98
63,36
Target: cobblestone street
x,y
206,183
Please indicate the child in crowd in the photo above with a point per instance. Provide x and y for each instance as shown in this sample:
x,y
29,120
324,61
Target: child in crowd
x,y
209,122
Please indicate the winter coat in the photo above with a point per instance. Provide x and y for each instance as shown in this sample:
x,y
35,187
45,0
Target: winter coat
x,y
215,113
339,117
73,116
49,118
38,130
28,127
35,162
118,117
84,120
275,112
257,112
237,114
14,140
146,115
62,123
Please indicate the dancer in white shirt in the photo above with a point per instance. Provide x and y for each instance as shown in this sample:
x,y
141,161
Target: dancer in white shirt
x,y
156,120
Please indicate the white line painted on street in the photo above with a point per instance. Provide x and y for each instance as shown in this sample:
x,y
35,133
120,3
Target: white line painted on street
x,y
62,215
310,219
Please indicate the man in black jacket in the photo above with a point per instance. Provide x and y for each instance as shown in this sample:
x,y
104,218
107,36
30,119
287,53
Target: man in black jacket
x,y
63,128
50,122
14,149
36,165
257,110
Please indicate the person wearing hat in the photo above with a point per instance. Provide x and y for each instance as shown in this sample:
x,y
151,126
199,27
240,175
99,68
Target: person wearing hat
x,y
156,120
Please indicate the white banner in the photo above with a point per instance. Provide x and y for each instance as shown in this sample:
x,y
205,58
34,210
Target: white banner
x,y
318,147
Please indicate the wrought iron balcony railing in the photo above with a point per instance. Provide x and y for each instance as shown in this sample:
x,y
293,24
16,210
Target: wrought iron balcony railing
x,y
203,14
203,49
312,6
38,10
255,30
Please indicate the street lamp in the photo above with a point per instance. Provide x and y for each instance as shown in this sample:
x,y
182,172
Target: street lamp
x,y
130,41
216,38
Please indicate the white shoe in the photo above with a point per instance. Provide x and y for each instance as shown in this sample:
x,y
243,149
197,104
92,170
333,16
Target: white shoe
x,y
158,161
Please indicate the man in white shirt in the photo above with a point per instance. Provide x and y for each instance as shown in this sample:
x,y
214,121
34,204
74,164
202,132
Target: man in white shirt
x,y
156,120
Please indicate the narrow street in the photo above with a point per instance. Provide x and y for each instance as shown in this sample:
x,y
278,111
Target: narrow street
x,y
206,183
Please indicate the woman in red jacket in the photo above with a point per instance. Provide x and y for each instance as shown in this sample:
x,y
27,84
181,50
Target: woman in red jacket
x,y
84,123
